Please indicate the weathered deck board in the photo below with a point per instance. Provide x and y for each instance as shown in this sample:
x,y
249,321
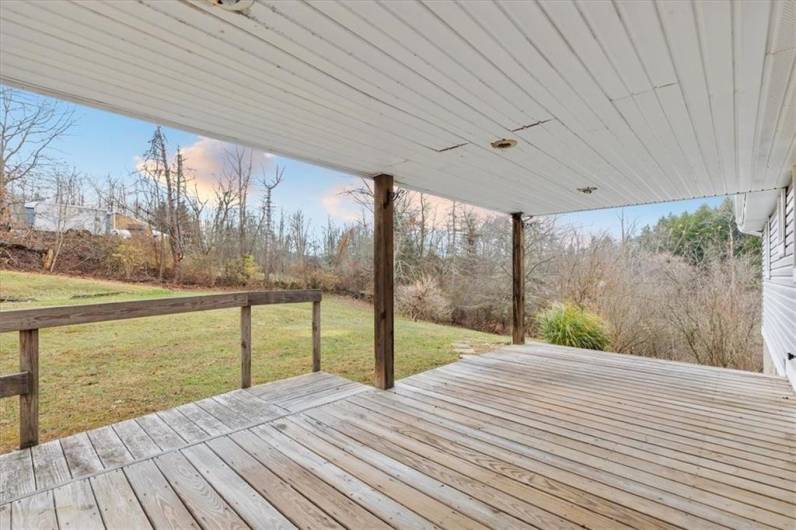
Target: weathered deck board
x,y
76,507
383,506
200,498
136,439
645,486
80,455
159,431
109,447
613,448
532,436
182,425
328,499
245,500
450,495
284,498
16,474
762,444
35,511
49,464
118,504
58,461
497,490
159,500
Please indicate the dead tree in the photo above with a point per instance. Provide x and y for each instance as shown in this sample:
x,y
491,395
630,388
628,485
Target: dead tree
x,y
238,164
268,214
67,190
165,186
28,127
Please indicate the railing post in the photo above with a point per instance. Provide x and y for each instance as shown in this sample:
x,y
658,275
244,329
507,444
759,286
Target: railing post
x,y
316,336
29,402
246,346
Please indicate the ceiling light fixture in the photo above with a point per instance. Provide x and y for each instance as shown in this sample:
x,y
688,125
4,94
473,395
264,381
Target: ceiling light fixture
x,y
588,190
504,143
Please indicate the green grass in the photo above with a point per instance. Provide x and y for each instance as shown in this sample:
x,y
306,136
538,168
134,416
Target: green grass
x,y
95,374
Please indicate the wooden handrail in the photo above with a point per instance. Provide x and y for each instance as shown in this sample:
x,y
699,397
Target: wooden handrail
x,y
25,383
48,317
14,384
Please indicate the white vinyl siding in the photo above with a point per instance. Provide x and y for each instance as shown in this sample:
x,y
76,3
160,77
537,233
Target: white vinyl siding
x,y
649,101
779,285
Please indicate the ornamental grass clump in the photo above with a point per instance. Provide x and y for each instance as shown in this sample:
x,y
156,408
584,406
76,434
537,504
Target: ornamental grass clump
x,y
570,325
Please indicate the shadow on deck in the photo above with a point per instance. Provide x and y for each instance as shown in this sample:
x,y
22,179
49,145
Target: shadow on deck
x,y
532,436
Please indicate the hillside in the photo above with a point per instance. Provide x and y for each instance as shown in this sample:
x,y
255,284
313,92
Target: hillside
x,y
96,374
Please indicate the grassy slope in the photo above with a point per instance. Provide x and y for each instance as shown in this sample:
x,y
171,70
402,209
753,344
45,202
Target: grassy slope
x,y
96,374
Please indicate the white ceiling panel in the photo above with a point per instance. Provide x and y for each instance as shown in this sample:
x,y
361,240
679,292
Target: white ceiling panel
x,y
647,100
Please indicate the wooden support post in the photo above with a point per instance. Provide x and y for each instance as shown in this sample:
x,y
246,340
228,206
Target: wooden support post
x,y
518,279
246,346
29,402
383,280
316,336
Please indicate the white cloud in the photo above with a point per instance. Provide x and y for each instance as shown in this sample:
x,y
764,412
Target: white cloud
x,y
339,205
342,207
204,162
440,208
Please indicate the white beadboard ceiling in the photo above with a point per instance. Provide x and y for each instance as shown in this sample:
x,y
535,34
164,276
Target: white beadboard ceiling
x,y
647,100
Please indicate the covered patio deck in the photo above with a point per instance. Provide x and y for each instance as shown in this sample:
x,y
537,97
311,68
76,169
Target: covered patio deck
x,y
525,108
529,436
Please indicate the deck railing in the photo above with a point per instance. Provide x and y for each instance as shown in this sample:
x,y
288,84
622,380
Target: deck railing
x,y
28,322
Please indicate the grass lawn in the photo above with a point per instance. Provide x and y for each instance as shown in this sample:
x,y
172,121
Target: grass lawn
x,y
96,374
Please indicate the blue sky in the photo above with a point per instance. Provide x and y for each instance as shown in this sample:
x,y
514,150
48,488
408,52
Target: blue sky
x,y
609,220
103,143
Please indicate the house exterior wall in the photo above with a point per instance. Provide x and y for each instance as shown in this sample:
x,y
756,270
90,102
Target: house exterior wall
x,y
779,286
54,217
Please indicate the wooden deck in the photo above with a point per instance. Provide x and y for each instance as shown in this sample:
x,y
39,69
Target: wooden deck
x,y
533,436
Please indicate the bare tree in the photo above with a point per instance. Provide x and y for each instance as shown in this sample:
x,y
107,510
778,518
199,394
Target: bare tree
x,y
164,185
716,319
363,196
28,127
238,164
424,209
269,184
299,232
67,191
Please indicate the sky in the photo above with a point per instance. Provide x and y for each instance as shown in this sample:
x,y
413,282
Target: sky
x,y
102,143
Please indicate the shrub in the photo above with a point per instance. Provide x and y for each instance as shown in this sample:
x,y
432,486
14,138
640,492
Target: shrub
x,y
320,279
239,271
130,258
423,300
198,269
570,325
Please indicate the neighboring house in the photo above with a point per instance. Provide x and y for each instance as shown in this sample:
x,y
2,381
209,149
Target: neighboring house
x,y
50,216
131,225
772,215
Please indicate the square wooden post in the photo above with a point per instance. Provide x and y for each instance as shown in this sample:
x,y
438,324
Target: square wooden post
x,y
246,346
384,337
518,279
316,336
29,402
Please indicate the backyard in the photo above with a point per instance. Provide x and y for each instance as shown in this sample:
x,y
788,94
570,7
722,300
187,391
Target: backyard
x,y
96,374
